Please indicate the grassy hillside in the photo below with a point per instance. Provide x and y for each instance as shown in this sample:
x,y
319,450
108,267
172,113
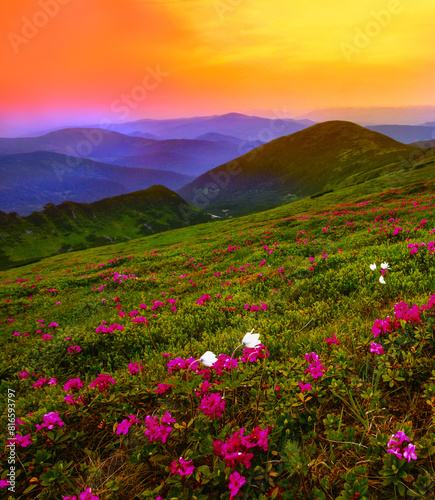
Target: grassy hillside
x,y
75,226
101,345
325,156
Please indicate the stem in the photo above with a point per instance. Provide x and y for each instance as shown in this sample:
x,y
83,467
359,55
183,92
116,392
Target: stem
x,y
193,362
232,355
231,361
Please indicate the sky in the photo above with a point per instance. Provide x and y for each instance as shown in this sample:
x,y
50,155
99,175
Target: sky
x,y
69,62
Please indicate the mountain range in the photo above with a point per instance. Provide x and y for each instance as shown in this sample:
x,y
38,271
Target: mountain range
x,y
65,164
250,128
322,157
30,180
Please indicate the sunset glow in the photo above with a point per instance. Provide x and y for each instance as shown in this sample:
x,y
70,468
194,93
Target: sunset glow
x,y
88,56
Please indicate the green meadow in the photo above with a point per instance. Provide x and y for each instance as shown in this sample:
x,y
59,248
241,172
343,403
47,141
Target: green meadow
x,y
103,368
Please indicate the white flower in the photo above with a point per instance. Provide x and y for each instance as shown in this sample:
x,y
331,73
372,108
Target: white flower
x,y
373,267
385,265
208,358
251,340
381,280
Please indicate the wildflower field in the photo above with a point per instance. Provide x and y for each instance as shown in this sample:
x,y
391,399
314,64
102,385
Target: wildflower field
x,y
286,354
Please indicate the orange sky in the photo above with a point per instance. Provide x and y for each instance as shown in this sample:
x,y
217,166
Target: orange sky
x,y
79,62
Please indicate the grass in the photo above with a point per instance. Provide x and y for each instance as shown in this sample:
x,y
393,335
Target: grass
x,y
325,443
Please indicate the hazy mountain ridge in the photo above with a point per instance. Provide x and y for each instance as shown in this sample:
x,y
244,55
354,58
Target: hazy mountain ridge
x,y
407,134
245,127
30,180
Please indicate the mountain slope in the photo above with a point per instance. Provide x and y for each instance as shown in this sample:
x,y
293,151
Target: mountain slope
x,y
75,226
321,157
28,181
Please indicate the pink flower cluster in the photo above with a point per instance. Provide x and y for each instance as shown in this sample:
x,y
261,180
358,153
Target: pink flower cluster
x,y
235,450
396,447
212,405
18,439
252,354
102,382
110,328
402,311
73,384
72,401
180,364
74,348
158,430
315,368
140,319
182,467
162,388
305,387
50,420
414,247
224,362
135,368
254,308
236,482
84,495
40,382
376,348
125,425
332,340
381,326
201,300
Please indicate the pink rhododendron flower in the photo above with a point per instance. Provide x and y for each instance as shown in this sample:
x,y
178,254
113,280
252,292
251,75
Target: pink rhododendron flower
x,y
182,467
236,482
376,348
84,495
4,483
102,382
47,336
135,367
305,387
213,405
40,382
251,355
22,441
74,348
162,388
69,398
23,375
332,340
73,384
396,447
125,425
156,430
409,453
50,420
